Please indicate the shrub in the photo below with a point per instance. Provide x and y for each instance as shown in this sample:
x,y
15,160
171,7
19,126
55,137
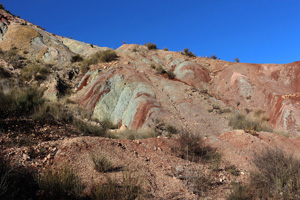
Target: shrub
x,y
60,184
128,189
188,53
166,49
2,7
102,163
201,183
4,73
20,101
233,170
213,57
160,70
89,129
241,122
37,72
76,58
136,135
12,57
191,147
237,60
101,56
170,74
62,87
107,124
278,174
16,183
108,56
151,46
171,129
239,192
84,69
49,112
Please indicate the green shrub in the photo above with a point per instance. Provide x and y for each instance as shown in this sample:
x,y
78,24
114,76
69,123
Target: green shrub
x,y
76,58
102,163
60,184
128,189
151,46
35,71
240,121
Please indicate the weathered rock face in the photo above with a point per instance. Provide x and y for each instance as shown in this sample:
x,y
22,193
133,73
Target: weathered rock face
x,y
112,93
130,92
268,87
39,44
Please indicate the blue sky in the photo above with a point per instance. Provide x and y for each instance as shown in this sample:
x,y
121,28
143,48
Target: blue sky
x,y
256,31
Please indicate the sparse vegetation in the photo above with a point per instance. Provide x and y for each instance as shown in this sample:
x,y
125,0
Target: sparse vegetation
x,y
34,71
188,53
166,49
237,60
170,74
76,58
12,57
202,183
171,129
102,163
15,182
20,101
62,87
191,147
2,7
160,70
4,73
151,46
136,135
101,56
89,129
128,189
60,184
233,170
277,177
240,121
239,192
49,112
278,174
213,57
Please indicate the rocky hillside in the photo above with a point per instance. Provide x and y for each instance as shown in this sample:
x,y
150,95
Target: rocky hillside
x,y
138,91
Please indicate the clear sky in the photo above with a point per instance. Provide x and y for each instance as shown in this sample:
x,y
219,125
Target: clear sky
x,y
255,31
